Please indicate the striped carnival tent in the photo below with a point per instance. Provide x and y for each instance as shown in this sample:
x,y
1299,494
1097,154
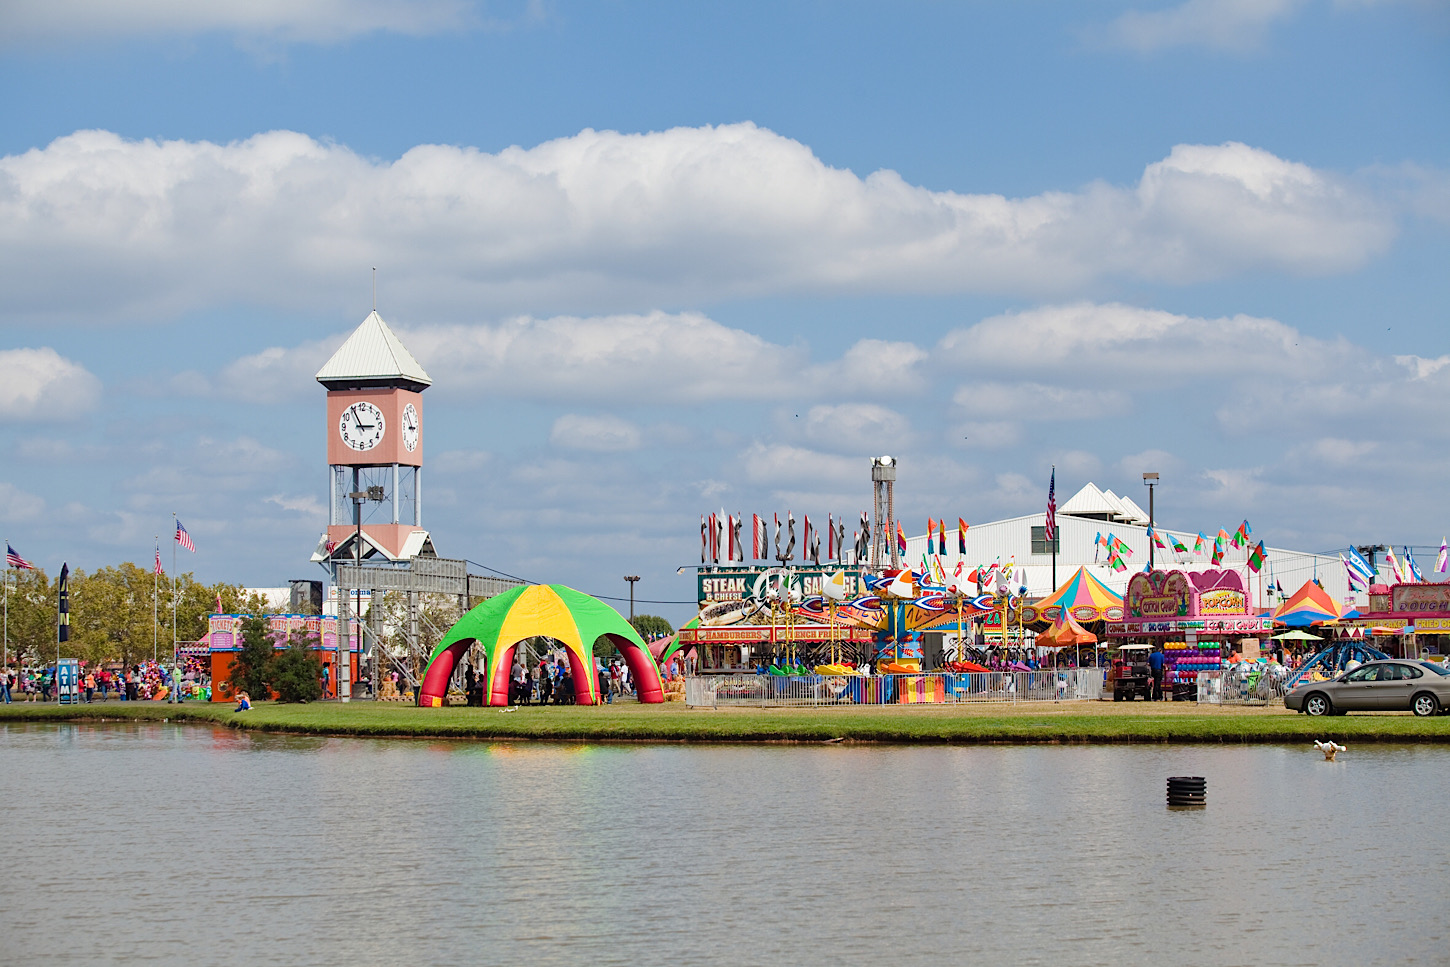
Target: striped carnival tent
x,y
1310,605
1066,633
1083,598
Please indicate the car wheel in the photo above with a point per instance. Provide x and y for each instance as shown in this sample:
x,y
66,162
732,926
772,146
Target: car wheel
x,y
1424,704
1318,704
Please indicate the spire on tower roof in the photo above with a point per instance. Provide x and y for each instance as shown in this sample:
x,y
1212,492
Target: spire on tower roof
x,y
373,356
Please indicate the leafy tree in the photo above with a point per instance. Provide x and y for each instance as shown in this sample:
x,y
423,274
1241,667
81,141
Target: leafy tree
x,y
297,671
252,670
32,615
651,624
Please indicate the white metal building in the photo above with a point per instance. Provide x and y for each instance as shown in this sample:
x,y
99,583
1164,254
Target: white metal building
x,y
1092,512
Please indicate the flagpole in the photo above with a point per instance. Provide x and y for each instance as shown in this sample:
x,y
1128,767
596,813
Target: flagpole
x,y
173,585
156,603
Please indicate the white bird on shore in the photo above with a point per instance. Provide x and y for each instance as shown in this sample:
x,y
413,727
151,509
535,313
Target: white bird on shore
x,y
1329,748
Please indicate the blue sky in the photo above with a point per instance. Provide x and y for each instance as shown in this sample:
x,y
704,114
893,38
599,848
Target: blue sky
x,y
664,257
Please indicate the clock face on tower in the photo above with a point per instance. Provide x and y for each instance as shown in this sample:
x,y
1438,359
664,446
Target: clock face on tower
x,y
410,427
361,426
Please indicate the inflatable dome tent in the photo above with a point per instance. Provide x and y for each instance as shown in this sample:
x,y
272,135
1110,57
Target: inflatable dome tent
x,y
572,618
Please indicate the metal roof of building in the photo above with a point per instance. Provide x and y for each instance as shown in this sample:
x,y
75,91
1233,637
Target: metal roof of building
x,y
372,355
1103,505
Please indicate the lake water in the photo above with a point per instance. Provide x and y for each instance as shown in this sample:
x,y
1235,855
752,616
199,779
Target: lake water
x,y
192,845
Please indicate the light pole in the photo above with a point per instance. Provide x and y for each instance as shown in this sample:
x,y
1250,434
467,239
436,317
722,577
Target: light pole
x,y
1150,480
631,578
344,645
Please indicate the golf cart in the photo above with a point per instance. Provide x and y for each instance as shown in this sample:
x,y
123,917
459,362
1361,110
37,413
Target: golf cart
x,y
1131,675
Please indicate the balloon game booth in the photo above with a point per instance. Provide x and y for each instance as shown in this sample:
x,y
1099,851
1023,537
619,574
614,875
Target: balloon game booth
x,y
1192,615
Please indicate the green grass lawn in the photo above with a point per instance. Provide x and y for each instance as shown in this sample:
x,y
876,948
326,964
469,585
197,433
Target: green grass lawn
x,y
1025,723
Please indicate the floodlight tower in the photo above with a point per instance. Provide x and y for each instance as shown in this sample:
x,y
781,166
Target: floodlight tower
x,y
883,513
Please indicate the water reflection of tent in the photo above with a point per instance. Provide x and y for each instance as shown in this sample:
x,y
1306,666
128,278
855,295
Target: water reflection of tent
x,y
1082,597
1065,633
1310,605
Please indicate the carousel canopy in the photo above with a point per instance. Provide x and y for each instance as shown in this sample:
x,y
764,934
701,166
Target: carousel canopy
x,y
1083,597
1310,605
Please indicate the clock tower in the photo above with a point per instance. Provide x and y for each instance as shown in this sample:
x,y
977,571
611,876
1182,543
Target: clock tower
x,y
374,440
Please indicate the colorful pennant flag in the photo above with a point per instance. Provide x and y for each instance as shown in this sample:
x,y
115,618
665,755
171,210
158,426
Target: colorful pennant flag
x,y
1444,558
1177,545
1356,580
1394,564
941,537
962,537
900,539
1115,560
1256,557
1217,557
1360,566
1199,542
1414,568
1157,538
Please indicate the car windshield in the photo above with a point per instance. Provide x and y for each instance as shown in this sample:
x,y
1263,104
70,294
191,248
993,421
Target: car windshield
x,y
1435,667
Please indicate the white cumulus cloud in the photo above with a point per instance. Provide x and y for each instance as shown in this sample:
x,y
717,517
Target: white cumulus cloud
x,y
43,384
95,224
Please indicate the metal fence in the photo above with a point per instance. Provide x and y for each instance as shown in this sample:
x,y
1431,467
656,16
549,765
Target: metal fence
x,y
1237,686
1063,685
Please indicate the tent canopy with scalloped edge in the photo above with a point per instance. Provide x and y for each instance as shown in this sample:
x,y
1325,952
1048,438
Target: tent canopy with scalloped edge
x,y
1065,633
1084,598
572,618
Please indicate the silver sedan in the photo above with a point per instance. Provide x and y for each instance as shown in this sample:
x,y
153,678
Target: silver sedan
x,y
1391,685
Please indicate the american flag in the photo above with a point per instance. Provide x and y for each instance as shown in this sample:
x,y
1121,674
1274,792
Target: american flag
x,y
183,538
1049,530
158,560
15,560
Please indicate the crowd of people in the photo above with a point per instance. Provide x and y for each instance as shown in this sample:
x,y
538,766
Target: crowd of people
x,y
184,679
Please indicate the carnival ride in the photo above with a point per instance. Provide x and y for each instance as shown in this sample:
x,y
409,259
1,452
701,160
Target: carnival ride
x,y
835,633
1311,606
573,619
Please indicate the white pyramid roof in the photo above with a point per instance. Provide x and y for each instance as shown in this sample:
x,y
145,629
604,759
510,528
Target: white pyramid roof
x,y
1088,500
1135,513
372,352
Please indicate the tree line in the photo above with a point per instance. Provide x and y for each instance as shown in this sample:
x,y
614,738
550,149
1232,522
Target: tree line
x,y
111,617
